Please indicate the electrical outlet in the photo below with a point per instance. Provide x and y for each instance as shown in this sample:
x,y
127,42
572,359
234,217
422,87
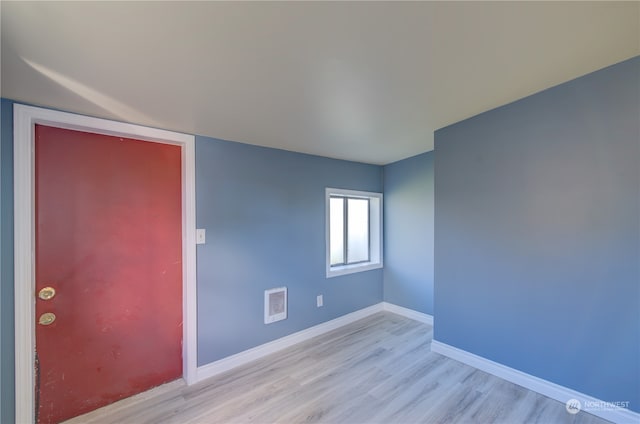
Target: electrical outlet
x,y
201,236
319,301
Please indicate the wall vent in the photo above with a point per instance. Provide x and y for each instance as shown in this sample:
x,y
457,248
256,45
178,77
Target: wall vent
x,y
275,305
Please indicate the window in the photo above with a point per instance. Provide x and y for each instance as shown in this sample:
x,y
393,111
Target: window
x,y
354,231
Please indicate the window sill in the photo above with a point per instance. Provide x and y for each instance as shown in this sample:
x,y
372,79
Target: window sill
x,y
337,271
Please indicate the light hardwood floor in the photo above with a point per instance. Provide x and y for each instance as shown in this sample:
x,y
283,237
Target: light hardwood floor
x,y
377,370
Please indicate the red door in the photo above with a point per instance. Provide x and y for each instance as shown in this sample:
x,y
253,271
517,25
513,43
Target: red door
x,y
109,242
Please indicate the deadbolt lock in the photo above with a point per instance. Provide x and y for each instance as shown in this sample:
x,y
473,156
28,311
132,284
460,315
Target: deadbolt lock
x,y
47,293
47,318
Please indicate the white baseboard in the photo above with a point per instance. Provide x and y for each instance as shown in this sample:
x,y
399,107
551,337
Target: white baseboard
x,y
408,313
230,362
544,387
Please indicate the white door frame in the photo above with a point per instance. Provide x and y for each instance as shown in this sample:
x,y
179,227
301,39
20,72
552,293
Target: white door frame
x,y
24,120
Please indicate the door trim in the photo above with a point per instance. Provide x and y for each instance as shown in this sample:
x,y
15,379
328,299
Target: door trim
x,y
25,118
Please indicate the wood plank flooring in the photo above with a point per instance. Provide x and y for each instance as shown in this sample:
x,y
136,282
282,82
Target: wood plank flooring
x,y
377,370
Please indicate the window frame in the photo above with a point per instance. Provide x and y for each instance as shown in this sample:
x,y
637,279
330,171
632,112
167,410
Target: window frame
x,y
375,260
345,228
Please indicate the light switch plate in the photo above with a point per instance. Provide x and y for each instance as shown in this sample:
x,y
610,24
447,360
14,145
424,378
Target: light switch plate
x,y
201,236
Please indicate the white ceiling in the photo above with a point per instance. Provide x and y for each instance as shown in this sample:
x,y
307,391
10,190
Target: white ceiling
x,y
363,81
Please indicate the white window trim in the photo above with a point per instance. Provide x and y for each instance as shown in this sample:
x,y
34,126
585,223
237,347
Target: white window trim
x,y
376,243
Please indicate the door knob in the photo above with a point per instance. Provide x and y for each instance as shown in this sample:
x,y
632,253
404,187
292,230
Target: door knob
x,y
47,318
47,293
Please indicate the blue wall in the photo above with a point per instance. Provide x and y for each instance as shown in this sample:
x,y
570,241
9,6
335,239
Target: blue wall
x,y
7,399
264,213
537,234
408,233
